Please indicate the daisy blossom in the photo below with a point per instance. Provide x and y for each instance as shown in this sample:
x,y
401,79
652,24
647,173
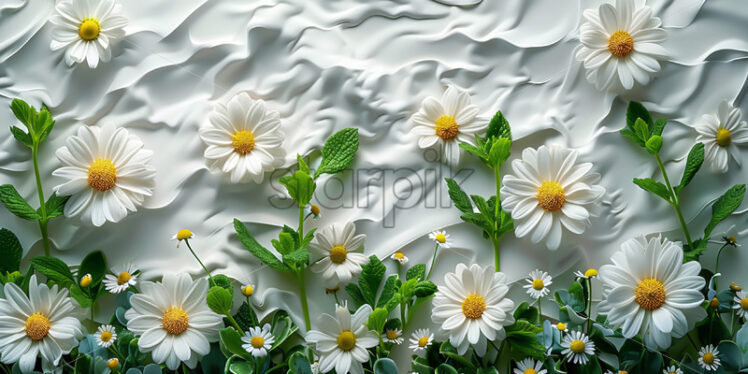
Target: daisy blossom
x,y
87,29
336,247
258,340
112,363
400,258
343,340
561,327
709,358
538,283
621,45
446,122
173,320
740,304
248,290
40,324
721,134
106,336
183,234
441,238
649,290
548,192
472,308
529,366
121,279
393,335
589,274
577,347
672,369
244,139
420,339
107,172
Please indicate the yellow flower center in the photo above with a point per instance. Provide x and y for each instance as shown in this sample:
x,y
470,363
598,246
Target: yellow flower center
x,y
530,371
315,209
184,234
243,142
732,239
561,326
743,303
620,43
175,320
89,28
257,341
102,175
714,303
346,340
392,334
399,255
473,306
650,294
423,341
551,196
724,137
446,127
590,273
708,358
441,238
86,280
734,287
105,336
37,326
538,284
123,278
577,346
248,290
113,363
338,254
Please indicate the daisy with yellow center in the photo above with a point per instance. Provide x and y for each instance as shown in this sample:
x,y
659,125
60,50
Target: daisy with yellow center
x,y
400,258
393,335
472,308
441,238
446,122
740,304
120,279
183,234
529,366
561,327
648,290
672,369
548,192
420,340
337,248
722,133
537,284
588,274
577,347
258,341
709,358
244,139
621,45
106,336
107,172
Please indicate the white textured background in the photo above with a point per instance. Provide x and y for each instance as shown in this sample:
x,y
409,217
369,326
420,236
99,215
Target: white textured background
x,y
329,64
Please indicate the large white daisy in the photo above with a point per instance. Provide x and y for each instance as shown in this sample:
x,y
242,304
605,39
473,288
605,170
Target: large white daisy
x,y
108,173
336,248
41,324
173,320
244,139
549,191
648,290
342,342
471,307
122,278
721,134
447,122
87,29
621,45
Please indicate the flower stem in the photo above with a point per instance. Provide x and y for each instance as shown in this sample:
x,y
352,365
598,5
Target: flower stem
x,y
589,305
497,209
433,260
302,297
301,222
233,322
40,191
716,264
540,319
676,202
201,263
496,255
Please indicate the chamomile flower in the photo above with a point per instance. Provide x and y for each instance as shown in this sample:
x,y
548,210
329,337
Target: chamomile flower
x,y
447,122
672,369
183,234
112,363
122,278
337,249
740,304
538,283
248,290
106,336
393,335
420,339
561,327
734,287
258,341
709,358
399,257
729,238
244,139
589,274
87,30
441,238
577,347
721,133
529,366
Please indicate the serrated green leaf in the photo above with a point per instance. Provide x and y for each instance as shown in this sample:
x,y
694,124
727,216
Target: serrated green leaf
x,y
262,253
377,319
22,136
11,251
222,280
338,151
424,289
636,110
246,317
297,259
651,185
693,163
724,206
654,144
95,264
285,243
16,204
659,126
417,271
300,186
356,295
641,129
499,151
219,300
630,134
24,112
54,269
459,197
370,279
499,127
303,165
475,150
55,205
522,339
388,290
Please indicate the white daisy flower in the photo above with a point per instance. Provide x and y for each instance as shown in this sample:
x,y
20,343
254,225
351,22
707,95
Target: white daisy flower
x,y
173,320
106,336
41,324
441,238
561,327
336,247
538,283
399,257
621,45
420,339
549,191
721,134
122,278
183,234
108,173
649,290
529,366
589,274
244,139
472,307
709,358
343,340
87,29
258,340
447,122
112,363
741,304
394,336
672,369
577,347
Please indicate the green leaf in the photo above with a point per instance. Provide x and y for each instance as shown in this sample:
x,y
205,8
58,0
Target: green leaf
x,y
448,350
10,251
499,127
499,152
641,129
338,151
356,295
22,136
574,297
522,338
475,150
459,198
385,366
80,296
659,126
636,110
45,123
630,134
219,300
16,204
424,289
693,163
222,281
724,206
262,253
417,271
297,259
299,364
654,144
303,165
55,205
370,279
300,187
95,264
525,311
377,319
445,369
246,317
390,286
24,112
741,339
54,269
232,341
731,356
282,328
653,186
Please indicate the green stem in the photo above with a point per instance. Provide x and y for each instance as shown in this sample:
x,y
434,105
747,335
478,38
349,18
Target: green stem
x,y
402,314
301,222
233,322
497,208
589,305
40,191
676,202
302,296
496,254
716,264
433,260
201,263
540,319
